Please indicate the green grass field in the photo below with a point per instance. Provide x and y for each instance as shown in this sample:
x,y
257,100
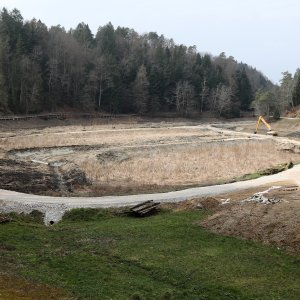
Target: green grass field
x,y
94,254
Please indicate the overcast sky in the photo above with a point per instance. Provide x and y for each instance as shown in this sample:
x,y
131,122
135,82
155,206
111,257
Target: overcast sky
x,y
261,33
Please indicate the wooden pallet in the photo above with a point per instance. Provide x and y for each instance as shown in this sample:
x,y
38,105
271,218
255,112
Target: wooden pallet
x,y
145,208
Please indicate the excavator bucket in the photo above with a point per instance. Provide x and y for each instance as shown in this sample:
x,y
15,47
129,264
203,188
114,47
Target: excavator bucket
x,y
272,132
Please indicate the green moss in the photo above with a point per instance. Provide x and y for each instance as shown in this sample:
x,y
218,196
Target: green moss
x,y
269,171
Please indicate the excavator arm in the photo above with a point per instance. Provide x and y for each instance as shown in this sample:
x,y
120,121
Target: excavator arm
x,y
270,131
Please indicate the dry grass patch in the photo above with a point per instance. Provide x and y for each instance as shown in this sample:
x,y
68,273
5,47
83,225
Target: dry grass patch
x,y
191,165
130,158
129,136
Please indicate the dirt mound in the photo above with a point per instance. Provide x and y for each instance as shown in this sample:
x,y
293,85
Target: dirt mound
x,y
208,203
277,224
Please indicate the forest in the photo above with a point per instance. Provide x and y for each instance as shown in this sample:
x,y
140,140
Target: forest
x,y
118,70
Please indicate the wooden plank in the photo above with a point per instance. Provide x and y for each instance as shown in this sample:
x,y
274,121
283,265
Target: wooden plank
x,y
141,204
145,208
149,209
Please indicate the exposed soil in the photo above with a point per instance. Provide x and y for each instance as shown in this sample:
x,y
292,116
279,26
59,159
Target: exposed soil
x,y
73,177
275,224
207,203
26,177
34,178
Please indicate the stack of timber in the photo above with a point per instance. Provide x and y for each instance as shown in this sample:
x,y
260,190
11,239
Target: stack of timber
x,y
145,208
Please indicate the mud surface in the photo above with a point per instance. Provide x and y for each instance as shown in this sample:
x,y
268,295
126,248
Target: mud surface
x,y
35,178
26,177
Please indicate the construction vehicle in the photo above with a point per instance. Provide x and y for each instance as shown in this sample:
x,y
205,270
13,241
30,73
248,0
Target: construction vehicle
x,y
270,131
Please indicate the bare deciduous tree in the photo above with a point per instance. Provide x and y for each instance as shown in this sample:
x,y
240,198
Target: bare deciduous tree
x,y
203,94
140,90
184,95
221,99
104,76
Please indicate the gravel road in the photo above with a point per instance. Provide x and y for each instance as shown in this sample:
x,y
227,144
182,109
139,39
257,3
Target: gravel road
x,y
55,207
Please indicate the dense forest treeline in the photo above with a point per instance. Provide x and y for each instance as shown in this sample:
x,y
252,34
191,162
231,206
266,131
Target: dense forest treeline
x,y
120,71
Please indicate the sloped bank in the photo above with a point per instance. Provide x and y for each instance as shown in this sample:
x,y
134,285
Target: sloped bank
x,y
275,222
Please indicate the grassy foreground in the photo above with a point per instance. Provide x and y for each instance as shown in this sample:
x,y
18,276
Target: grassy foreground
x,y
94,254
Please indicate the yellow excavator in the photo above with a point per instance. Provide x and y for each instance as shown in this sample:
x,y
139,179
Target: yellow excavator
x,y
270,131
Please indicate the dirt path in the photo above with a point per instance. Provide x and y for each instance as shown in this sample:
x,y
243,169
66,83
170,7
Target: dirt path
x,y
55,207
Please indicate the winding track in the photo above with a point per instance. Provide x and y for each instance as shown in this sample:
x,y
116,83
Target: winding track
x,y
55,207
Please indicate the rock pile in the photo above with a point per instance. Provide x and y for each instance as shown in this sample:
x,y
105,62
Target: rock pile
x,y
261,198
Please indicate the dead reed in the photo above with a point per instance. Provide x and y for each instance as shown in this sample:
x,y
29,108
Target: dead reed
x,y
189,165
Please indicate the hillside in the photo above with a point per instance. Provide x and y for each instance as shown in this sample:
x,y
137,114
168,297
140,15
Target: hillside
x,y
118,70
